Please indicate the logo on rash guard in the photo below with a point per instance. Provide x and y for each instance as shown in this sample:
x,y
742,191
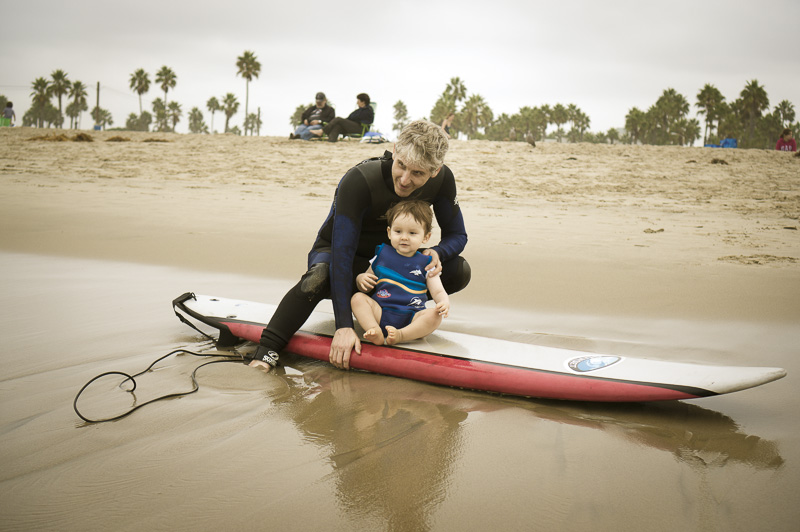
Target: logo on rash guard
x,y
417,272
383,294
415,302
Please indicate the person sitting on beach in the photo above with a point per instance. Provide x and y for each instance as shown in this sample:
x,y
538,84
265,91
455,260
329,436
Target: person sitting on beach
x,y
363,115
396,277
8,112
447,122
786,142
356,225
314,118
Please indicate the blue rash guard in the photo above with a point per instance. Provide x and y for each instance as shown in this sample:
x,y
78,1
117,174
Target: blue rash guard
x,y
402,288
356,224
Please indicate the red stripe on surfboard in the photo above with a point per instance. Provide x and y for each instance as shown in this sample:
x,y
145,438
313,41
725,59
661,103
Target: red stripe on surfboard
x,y
472,374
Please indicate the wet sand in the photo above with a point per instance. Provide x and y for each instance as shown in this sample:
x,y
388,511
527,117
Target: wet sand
x,y
642,251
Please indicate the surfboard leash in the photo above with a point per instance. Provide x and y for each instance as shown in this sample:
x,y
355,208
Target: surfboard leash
x,y
132,378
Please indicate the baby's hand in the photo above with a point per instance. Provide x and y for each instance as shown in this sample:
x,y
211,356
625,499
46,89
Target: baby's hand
x,y
366,281
443,308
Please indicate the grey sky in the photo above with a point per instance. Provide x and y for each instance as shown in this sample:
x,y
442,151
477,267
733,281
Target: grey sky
x,y
603,56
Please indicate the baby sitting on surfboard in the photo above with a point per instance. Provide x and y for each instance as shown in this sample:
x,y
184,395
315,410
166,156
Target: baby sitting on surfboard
x,y
398,281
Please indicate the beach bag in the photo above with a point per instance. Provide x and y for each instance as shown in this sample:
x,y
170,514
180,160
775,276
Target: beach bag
x,y
373,137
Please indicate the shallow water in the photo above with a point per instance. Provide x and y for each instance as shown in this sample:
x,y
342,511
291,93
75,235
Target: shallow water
x,y
315,448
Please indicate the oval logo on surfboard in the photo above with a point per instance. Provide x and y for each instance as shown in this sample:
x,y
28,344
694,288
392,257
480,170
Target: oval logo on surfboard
x,y
592,363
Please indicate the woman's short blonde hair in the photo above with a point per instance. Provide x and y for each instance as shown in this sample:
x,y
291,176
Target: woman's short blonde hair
x,y
423,144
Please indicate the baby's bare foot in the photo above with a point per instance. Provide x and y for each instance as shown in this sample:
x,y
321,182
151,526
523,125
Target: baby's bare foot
x,y
393,335
375,336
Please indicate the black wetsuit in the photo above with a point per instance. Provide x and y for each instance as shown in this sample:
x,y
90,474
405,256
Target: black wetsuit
x,y
347,239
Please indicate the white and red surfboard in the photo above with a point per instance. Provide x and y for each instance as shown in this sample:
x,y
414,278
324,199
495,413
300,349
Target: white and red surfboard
x,y
488,364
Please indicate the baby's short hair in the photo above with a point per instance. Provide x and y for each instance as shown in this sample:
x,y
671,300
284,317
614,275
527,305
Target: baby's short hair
x,y
417,209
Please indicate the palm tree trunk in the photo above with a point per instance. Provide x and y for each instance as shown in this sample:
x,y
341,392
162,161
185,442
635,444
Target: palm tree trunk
x,y
246,103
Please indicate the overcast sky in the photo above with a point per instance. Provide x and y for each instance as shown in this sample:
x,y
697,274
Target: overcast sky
x,y
603,56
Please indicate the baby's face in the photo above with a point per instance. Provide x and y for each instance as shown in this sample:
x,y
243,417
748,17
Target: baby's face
x,y
407,235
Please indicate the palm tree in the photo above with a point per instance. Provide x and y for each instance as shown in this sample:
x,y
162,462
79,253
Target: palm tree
x,y
196,123
687,131
674,107
709,101
230,106
539,122
664,115
785,110
559,116
249,68
40,98
400,116
58,88
525,123
582,123
445,105
755,102
252,123
166,79
634,124
102,117
140,84
77,93
572,113
139,123
547,112
213,105
475,115
456,89
160,110
174,113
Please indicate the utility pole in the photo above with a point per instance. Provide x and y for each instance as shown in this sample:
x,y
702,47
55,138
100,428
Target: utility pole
x,y
97,109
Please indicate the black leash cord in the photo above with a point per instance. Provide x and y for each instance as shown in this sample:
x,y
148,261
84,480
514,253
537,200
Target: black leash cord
x,y
132,378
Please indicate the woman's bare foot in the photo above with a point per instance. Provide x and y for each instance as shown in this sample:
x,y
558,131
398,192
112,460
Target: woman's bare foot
x,y
375,336
393,335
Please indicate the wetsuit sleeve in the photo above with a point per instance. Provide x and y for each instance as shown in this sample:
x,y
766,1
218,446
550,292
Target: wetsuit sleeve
x,y
450,220
352,202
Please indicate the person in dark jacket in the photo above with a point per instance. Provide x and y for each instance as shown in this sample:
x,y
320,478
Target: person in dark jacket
x,y
314,118
352,124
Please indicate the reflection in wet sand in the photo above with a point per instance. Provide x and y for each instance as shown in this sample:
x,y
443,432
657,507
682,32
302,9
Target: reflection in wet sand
x,y
394,444
693,434
372,444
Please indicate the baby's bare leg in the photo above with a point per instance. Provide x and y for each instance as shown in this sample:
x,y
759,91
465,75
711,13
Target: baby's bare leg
x,y
368,314
424,322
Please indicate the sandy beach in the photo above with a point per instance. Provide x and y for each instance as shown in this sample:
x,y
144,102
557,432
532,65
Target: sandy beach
x,y
667,252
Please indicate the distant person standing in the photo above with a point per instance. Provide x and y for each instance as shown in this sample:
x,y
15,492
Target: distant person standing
x,y
786,142
8,113
363,115
315,117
